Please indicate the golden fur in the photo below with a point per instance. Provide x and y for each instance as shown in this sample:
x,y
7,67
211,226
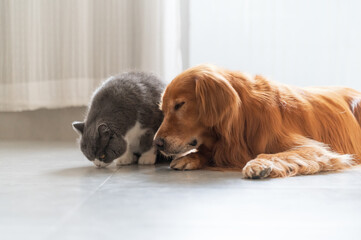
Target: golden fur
x,y
265,128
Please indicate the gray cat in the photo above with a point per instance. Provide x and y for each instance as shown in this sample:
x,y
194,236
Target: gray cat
x,y
121,121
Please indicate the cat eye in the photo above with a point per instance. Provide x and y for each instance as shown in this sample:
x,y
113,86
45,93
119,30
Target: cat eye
x,y
178,105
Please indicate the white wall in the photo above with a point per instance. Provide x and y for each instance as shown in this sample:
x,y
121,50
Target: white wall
x,y
300,42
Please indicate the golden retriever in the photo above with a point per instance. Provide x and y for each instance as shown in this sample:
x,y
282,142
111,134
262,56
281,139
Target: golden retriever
x,y
233,121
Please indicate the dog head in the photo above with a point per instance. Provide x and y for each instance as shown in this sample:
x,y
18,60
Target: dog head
x,y
194,103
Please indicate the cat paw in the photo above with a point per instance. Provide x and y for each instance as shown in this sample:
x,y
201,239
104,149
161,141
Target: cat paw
x,y
125,159
100,164
148,157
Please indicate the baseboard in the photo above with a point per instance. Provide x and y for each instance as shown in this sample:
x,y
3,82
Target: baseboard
x,y
40,125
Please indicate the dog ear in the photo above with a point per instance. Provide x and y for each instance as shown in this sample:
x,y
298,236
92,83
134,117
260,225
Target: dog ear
x,y
215,98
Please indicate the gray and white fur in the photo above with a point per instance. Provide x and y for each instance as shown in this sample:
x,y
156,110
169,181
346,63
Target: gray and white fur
x,y
122,119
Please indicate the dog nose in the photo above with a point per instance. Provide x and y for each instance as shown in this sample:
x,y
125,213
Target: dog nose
x,y
193,143
159,142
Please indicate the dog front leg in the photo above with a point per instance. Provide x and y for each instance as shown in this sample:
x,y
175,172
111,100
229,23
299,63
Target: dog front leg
x,y
307,157
191,161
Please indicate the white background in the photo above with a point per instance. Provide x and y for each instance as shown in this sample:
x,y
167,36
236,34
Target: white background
x,y
299,42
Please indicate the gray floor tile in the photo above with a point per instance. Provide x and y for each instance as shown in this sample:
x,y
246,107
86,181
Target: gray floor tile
x,y
50,191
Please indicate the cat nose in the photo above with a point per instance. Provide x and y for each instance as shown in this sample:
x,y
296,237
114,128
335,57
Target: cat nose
x,y
159,142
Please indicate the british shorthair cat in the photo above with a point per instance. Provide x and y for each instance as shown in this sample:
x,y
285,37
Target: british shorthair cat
x,y
121,120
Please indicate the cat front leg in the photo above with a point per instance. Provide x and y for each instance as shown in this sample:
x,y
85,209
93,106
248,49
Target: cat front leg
x,y
149,152
126,159
148,157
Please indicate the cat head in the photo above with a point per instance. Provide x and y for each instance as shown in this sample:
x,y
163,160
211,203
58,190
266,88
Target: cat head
x,y
99,143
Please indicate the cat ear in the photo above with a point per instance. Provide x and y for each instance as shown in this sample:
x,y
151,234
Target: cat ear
x,y
78,127
103,130
104,135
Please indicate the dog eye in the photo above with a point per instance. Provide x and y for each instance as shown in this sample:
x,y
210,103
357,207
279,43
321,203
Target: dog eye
x,y
178,106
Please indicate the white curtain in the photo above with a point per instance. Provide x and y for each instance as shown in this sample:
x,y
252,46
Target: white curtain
x,y
55,53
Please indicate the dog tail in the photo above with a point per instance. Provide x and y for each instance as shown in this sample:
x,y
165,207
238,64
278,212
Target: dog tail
x,y
353,99
356,109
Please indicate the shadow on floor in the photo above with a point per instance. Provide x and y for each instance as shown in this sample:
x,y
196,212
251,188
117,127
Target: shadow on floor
x,y
79,171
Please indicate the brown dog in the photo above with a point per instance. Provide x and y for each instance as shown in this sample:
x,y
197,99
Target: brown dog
x,y
267,129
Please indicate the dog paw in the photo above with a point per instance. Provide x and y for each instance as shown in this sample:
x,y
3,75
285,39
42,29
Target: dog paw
x,y
185,163
256,169
125,159
148,157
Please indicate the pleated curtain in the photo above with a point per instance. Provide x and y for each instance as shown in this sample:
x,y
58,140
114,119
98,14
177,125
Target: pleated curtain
x,y
55,53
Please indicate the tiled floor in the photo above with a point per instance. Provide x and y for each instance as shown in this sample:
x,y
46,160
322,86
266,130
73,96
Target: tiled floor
x,y
50,191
